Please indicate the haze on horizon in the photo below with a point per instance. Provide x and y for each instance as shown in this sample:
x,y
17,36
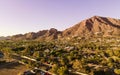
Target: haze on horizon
x,y
21,16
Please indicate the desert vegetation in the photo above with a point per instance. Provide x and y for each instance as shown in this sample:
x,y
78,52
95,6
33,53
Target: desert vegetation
x,y
66,56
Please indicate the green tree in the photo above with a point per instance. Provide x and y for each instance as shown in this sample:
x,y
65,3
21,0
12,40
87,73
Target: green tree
x,y
117,71
54,68
63,70
77,65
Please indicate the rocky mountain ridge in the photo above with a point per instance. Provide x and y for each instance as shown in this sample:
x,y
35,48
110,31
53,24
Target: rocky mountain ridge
x,y
96,25
40,35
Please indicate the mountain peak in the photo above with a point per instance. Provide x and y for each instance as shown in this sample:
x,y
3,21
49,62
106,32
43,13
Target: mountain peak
x,y
96,16
93,25
88,28
93,19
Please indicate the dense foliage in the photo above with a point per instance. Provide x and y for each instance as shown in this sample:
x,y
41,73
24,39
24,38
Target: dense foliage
x,y
98,56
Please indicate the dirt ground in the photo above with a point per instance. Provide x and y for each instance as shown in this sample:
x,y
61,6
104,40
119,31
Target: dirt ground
x,y
12,68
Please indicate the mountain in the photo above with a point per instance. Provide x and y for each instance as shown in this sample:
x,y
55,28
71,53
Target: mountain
x,y
41,35
94,26
5,38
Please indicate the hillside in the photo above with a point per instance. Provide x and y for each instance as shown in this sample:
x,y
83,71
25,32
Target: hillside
x,y
93,26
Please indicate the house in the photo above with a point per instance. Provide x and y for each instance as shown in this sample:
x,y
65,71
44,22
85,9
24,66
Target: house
x,y
28,73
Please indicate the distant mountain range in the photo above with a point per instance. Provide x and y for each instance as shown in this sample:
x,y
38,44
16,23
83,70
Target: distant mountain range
x,y
41,35
5,38
94,26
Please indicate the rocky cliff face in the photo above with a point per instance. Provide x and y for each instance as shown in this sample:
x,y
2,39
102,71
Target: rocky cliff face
x,y
94,26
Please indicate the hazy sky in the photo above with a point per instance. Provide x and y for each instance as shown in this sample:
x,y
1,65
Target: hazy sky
x,y
20,16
